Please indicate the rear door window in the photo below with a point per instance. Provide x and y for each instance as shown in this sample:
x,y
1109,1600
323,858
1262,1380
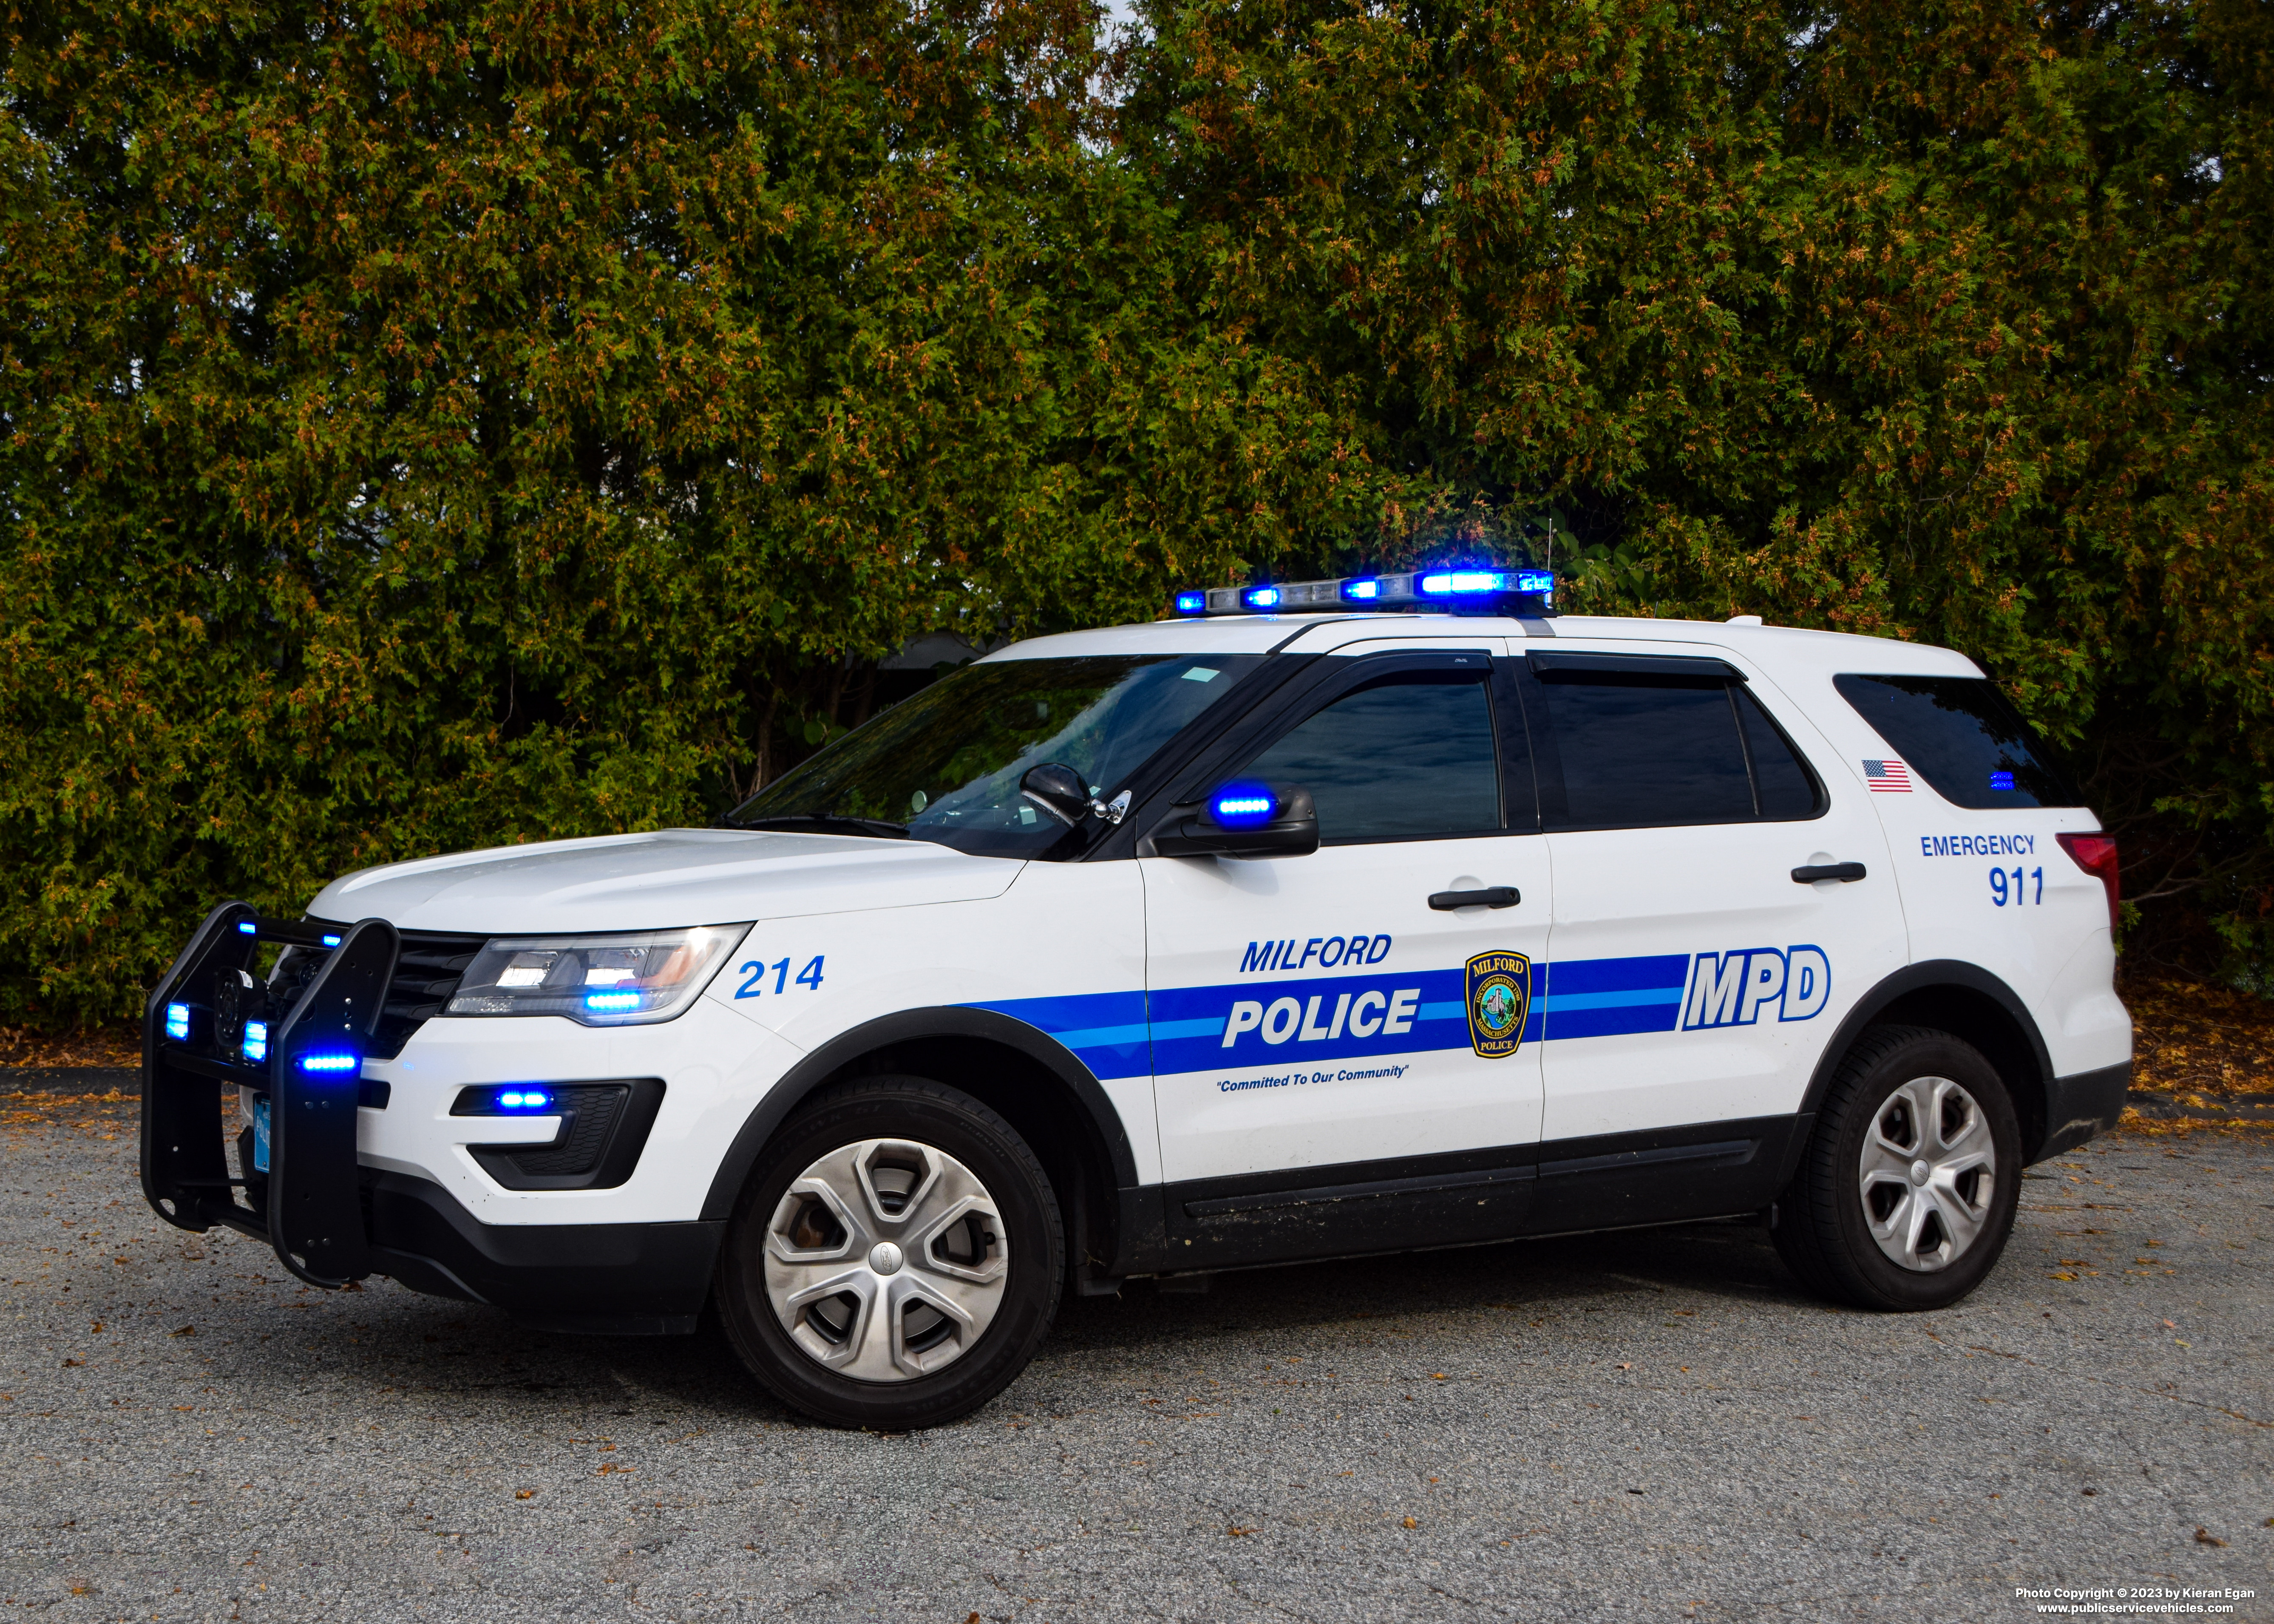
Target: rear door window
x,y
1963,737
1652,741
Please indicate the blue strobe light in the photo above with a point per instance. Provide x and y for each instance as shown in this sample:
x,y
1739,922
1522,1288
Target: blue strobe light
x,y
256,1040
523,1098
615,1001
329,1061
1243,806
177,1022
1191,602
1261,598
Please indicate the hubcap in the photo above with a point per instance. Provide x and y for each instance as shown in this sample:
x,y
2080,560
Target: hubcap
x,y
1929,1171
886,1260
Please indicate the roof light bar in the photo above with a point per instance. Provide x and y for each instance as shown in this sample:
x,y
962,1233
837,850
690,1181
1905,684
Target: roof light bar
x,y
1511,591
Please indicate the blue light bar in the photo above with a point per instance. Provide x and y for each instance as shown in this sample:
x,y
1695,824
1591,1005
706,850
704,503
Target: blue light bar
x,y
331,941
615,1001
1464,583
256,1040
523,1099
1519,592
177,1022
1243,806
329,1063
246,927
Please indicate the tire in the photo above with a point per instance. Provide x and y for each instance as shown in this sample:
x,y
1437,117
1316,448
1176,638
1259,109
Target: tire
x,y
1864,1225
937,1230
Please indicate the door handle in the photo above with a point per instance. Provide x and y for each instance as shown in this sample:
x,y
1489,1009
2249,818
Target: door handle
x,y
1809,874
1490,897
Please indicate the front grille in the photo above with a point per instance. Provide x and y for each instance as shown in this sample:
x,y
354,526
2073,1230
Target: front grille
x,y
426,973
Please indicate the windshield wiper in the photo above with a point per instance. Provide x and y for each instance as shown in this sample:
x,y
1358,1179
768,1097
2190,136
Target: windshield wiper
x,y
828,822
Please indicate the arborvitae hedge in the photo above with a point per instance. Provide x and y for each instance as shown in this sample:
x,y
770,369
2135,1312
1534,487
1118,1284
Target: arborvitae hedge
x,y
433,425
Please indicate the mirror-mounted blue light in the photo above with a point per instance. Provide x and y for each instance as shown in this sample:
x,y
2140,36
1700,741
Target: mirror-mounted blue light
x,y
328,1061
1194,602
612,1001
331,941
1261,598
246,927
523,1098
1243,805
177,1022
256,1040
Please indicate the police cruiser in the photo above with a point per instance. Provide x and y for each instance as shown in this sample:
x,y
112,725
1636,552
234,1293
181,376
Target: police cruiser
x,y
1322,919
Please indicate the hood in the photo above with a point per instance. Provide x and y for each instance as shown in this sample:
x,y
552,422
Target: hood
x,y
670,878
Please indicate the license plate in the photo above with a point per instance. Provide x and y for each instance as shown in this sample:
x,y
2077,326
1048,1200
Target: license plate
x,y
260,1134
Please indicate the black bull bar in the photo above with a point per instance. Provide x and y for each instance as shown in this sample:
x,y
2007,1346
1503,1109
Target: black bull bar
x,y
308,1206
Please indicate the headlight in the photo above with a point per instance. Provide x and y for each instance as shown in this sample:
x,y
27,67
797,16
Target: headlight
x,y
602,981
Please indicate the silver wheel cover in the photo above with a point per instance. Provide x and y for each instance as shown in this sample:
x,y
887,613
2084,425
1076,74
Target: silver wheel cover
x,y
1929,1170
886,1260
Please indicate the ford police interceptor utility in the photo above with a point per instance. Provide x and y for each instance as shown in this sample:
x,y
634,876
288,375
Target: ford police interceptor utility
x,y
1286,929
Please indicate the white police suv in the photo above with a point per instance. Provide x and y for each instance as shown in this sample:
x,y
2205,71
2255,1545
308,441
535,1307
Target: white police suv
x,y
1290,928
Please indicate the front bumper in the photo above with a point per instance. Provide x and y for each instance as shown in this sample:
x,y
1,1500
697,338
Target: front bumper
x,y
609,1279
372,1169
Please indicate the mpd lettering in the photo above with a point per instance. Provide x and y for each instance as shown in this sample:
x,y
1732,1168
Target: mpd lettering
x,y
1735,987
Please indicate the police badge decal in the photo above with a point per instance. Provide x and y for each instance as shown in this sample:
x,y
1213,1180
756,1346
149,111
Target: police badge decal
x,y
1499,997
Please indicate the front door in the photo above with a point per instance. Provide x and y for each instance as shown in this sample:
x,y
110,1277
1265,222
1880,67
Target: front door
x,y
1342,1023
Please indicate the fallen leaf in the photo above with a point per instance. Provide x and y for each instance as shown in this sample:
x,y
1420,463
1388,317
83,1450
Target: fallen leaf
x,y
524,1493
187,1330
1235,1530
1409,1522
1626,1366
2204,1537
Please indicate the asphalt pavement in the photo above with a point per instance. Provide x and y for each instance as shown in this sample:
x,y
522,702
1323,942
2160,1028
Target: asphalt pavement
x,y
1655,1424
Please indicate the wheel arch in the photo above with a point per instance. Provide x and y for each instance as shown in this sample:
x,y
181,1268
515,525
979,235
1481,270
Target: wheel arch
x,y
1030,1078
1966,1000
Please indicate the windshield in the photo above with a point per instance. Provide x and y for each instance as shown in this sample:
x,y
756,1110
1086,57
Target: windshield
x,y
945,763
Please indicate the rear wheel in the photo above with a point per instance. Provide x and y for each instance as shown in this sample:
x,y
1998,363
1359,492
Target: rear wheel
x,y
894,1260
1906,1190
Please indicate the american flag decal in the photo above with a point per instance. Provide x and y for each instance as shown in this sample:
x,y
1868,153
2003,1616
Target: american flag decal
x,y
1887,777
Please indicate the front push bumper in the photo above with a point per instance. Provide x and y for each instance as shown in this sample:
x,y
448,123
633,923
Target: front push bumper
x,y
308,1204
330,1220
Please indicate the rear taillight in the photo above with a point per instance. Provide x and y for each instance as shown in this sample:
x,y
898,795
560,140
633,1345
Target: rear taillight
x,y
2096,855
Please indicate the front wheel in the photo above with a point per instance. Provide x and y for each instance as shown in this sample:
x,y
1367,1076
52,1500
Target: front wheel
x,y
894,1260
1907,1191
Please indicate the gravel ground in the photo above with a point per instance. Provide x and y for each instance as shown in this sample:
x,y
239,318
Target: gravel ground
x,y
1645,1425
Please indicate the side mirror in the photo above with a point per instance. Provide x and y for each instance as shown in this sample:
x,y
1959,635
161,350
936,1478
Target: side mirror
x,y
1058,790
1245,820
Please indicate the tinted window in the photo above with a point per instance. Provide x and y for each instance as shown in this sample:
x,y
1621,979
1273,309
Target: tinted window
x,y
1640,750
1407,757
1961,735
1780,779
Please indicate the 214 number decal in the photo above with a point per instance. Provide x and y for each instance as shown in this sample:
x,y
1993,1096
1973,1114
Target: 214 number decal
x,y
2017,892
758,969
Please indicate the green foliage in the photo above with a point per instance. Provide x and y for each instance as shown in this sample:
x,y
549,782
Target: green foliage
x,y
435,424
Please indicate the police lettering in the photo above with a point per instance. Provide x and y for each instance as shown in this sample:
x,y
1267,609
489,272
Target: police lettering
x,y
1733,989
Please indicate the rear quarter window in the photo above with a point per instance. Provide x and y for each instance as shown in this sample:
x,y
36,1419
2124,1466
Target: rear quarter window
x,y
1962,736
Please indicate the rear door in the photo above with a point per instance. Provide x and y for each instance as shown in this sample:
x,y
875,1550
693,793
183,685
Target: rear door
x,y
1316,1021
1695,980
